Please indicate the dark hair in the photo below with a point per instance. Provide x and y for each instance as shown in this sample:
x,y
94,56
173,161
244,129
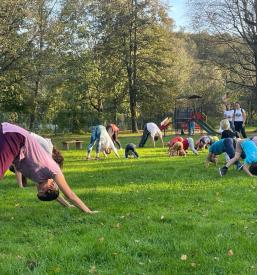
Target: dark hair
x,y
253,168
57,157
49,195
155,138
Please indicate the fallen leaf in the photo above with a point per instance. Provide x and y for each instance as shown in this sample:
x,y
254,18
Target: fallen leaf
x,y
230,253
101,239
92,269
193,264
183,257
162,217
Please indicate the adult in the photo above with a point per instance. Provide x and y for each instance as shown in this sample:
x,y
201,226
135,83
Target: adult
x,y
239,118
225,145
103,141
229,114
19,147
113,132
188,143
151,129
247,148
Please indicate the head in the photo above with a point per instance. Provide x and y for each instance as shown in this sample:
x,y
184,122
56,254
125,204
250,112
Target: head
x,y
156,138
211,158
237,105
224,124
228,106
182,153
57,157
47,190
253,168
107,151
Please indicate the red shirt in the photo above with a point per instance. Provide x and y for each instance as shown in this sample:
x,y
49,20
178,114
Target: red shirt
x,y
114,128
179,139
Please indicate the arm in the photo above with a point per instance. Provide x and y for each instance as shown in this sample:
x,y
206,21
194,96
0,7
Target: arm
x,y
65,188
246,170
244,118
18,176
64,202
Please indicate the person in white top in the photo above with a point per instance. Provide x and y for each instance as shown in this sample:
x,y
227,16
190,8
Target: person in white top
x,y
228,114
239,118
151,129
100,136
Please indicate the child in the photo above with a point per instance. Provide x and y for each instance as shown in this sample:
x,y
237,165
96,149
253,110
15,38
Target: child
x,y
19,147
176,149
130,149
249,148
187,143
205,141
103,142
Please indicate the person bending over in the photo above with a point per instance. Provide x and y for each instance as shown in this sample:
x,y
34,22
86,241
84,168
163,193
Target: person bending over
x,y
130,149
249,149
103,142
151,129
188,143
113,132
222,146
20,148
176,149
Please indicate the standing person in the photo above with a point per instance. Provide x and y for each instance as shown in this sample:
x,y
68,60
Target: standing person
x,y
130,149
19,147
113,132
151,129
247,148
239,118
103,141
229,114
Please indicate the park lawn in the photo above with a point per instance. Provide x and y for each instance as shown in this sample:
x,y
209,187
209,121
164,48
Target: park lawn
x,y
158,215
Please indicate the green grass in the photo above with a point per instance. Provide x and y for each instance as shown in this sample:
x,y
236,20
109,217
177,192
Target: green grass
x,y
153,210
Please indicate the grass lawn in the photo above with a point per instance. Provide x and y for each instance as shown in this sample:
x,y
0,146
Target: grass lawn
x,y
158,215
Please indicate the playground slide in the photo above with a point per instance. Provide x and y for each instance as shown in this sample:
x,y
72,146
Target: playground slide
x,y
205,126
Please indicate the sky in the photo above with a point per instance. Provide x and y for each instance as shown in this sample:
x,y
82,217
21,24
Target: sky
x,y
178,12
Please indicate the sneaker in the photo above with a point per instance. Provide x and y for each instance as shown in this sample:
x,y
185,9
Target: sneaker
x,y
223,170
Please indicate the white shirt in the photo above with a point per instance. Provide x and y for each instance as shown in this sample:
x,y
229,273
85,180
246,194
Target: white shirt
x,y
229,114
153,129
239,114
106,142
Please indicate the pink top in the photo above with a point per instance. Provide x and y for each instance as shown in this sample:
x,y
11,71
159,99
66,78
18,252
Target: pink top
x,y
33,161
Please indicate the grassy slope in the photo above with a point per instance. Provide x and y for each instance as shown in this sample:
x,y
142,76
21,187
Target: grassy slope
x,y
153,210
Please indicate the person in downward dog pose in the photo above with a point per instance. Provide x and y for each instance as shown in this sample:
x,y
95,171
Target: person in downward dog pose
x,y
103,141
20,148
151,129
113,132
248,149
188,143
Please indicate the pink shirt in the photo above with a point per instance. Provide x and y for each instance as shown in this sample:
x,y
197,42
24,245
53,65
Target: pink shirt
x,y
33,161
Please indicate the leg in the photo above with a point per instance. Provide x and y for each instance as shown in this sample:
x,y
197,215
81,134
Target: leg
x,y
92,142
237,154
144,137
192,145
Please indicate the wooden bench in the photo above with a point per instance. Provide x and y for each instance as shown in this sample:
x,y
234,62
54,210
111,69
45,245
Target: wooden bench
x,y
78,143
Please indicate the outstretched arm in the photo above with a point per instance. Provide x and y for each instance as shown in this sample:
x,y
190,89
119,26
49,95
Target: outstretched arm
x,y
70,195
64,202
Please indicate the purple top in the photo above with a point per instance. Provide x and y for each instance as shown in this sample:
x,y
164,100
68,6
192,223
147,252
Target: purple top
x,y
33,161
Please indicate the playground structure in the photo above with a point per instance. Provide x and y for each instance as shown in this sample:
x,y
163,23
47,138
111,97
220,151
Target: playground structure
x,y
189,116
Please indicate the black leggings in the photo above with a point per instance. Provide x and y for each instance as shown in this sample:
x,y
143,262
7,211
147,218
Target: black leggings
x,y
239,128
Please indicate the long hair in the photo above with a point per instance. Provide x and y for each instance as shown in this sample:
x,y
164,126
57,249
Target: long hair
x,y
57,157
